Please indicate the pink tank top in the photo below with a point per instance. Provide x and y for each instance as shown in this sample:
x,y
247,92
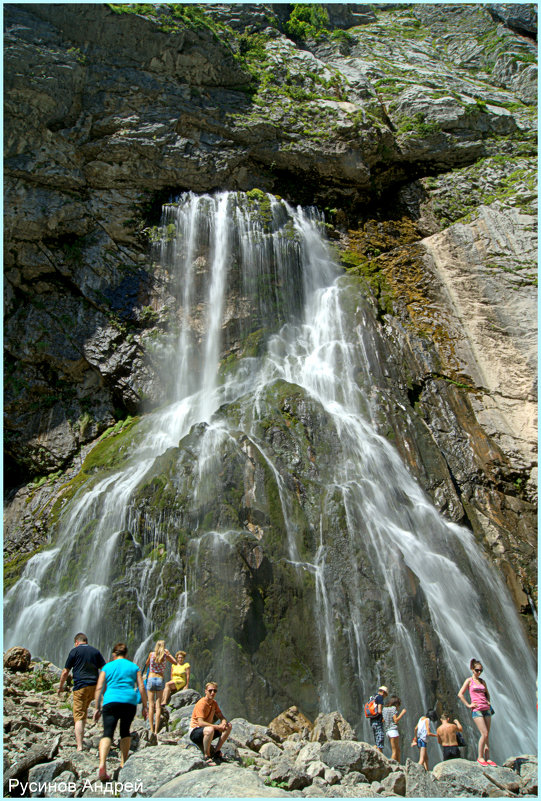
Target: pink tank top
x,y
478,695
156,667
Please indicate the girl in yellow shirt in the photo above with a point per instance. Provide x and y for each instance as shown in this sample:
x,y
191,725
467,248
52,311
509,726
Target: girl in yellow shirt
x,y
180,676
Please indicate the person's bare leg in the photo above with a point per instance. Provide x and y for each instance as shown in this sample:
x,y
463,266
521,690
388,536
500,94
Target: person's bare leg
x,y
79,732
208,734
124,749
159,695
104,747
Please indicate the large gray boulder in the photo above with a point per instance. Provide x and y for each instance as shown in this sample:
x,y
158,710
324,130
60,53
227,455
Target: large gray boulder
x,y
225,781
422,784
470,778
349,755
249,735
184,698
156,766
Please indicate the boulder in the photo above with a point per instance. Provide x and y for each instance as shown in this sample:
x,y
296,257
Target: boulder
x,y
46,773
17,659
470,778
307,754
184,698
422,784
61,718
225,781
332,776
527,768
270,751
395,783
331,726
289,722
317,768
248,735
156,766
284,773
349,755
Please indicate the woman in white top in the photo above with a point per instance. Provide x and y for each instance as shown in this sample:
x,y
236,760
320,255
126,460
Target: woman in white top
x,y
421,734
391,716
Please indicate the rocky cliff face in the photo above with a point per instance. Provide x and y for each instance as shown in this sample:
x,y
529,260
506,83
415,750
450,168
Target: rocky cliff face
x,y
413,128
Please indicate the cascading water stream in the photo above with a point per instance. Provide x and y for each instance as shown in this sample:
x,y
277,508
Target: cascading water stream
x,y
284,280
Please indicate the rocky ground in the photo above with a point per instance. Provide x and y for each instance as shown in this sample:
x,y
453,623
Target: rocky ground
x,y
289,757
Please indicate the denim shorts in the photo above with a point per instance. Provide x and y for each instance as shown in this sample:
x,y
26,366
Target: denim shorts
x,y
421,743
481,713
155,683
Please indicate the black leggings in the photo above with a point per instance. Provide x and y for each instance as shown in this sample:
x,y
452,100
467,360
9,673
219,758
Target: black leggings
x,y
114,712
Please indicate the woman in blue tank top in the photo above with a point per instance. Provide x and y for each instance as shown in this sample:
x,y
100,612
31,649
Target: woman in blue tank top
x,y
119,678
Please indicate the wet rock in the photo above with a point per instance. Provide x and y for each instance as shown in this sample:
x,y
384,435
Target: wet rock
x,y
17,659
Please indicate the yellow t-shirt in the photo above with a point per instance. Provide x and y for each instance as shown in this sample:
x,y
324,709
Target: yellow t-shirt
x,y
178,674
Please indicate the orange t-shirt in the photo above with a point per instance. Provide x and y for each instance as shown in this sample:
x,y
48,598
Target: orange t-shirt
x,y
208,710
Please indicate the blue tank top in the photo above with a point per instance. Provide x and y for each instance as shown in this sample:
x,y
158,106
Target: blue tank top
x,y
121,678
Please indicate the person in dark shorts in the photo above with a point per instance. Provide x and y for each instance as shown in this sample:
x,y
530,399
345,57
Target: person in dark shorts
x,y
85,662
447,737
119,679
204,729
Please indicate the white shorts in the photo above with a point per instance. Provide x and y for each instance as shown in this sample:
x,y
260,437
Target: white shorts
x,y
393,733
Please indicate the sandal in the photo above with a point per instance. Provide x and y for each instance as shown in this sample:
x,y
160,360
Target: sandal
x,y
483,763
209,762
103,777
491,763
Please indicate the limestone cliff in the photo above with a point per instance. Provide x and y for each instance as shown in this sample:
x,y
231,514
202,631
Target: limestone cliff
x,y
412,127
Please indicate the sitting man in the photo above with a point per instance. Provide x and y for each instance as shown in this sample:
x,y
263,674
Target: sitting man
x,y
203,729
447,737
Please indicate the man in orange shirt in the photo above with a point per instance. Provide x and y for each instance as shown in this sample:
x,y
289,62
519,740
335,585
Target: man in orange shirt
x,y
203,729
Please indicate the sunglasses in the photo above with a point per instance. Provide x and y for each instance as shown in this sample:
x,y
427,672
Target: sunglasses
x,y
210,690
478,670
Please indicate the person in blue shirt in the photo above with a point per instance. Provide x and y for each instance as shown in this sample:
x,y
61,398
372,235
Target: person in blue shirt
x,y
119,679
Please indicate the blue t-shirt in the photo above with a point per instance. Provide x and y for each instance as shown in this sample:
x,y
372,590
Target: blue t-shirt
x,y
120,677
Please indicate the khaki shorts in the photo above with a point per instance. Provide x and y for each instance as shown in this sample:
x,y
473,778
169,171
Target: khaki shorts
x,y
81,701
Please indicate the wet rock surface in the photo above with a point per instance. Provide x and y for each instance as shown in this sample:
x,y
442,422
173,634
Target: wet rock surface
x,y
41,753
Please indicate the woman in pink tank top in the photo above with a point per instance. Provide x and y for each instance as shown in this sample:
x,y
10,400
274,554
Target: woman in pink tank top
x,y
481,709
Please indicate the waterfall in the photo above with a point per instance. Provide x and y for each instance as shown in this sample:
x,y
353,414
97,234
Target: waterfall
x,y
149,547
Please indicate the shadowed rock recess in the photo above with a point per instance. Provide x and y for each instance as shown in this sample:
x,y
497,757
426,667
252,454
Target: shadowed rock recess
x,y
251,537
